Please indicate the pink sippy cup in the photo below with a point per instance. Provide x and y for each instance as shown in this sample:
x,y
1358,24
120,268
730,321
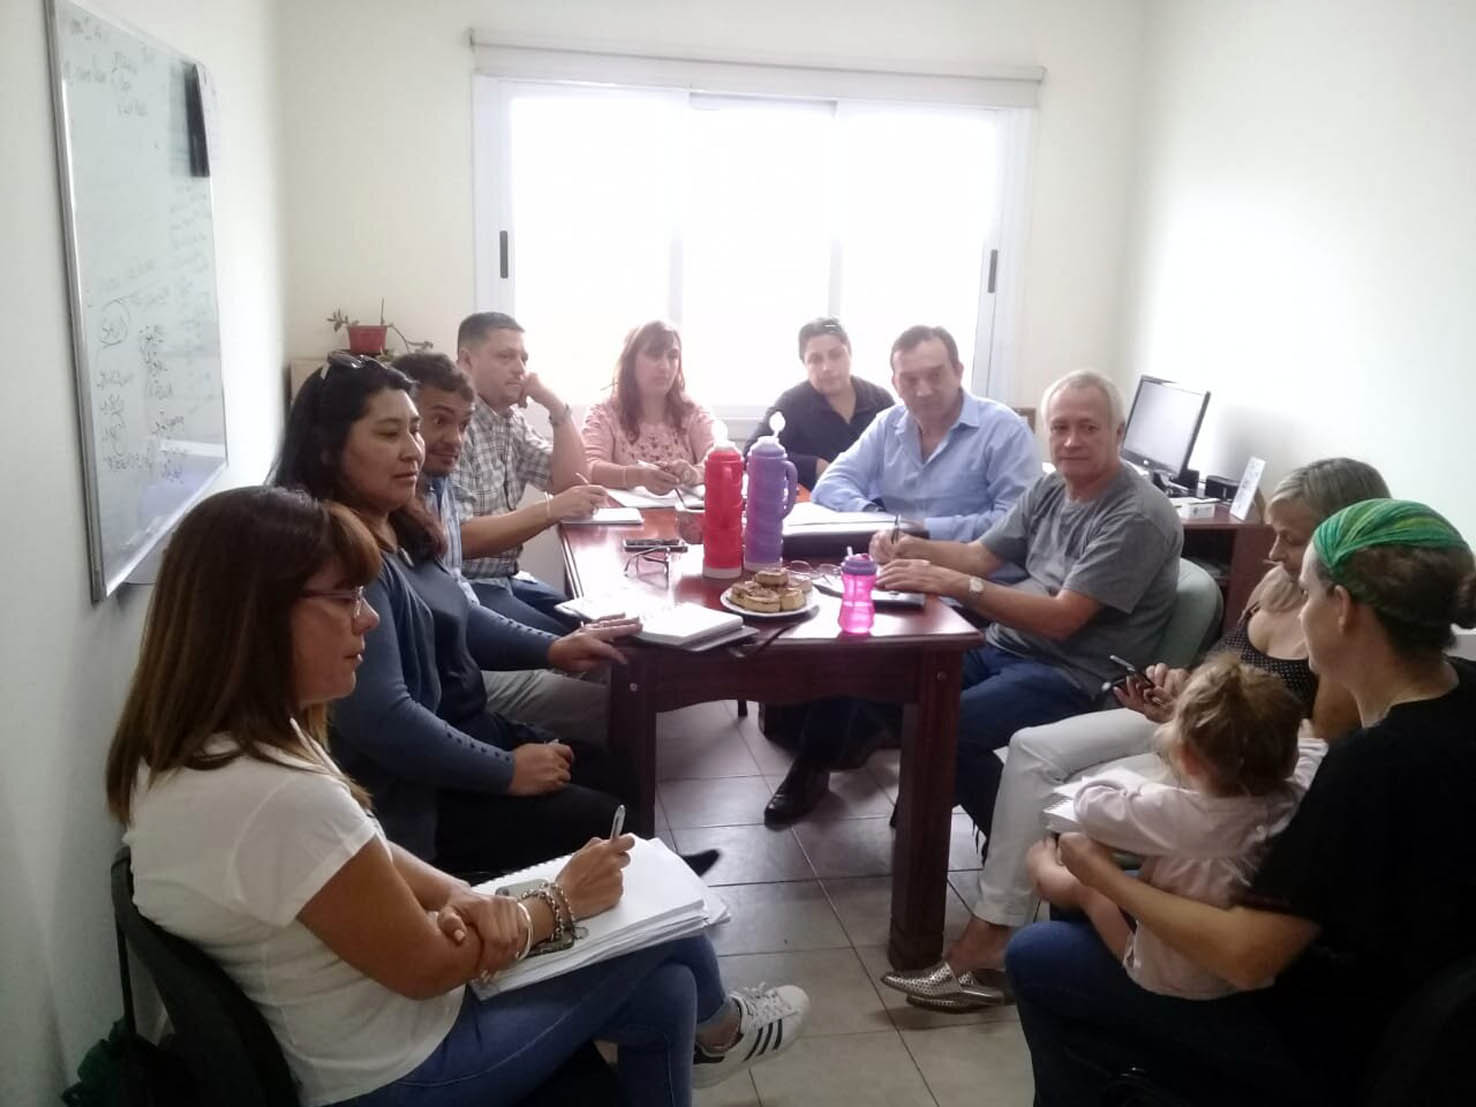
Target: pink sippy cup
x,y
858,575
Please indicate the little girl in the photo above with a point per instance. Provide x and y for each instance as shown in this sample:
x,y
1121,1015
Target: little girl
x,y
1233,742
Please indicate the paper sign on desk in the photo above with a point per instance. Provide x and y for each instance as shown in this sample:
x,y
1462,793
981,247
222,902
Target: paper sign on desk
x,y
1245,495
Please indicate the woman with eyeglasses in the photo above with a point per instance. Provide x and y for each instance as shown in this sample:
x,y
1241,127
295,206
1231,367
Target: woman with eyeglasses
x,y
451,781
826,413
250,841
649,433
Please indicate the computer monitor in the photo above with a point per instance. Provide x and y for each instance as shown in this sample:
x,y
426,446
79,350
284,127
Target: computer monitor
x,y
1163,425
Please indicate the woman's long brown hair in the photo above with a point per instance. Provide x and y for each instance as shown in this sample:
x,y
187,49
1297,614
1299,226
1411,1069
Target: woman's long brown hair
x,y
216,656
655,337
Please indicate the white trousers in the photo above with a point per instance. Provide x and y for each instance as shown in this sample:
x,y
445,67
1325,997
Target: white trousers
x,y
1040,758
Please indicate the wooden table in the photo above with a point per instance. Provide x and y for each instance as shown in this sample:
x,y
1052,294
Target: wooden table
x,y
911,657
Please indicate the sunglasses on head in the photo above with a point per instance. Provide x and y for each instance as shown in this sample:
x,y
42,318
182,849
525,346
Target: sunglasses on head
x,y
340,360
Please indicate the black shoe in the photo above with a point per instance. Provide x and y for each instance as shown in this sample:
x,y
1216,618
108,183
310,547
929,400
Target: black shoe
x,y
798,793
702,860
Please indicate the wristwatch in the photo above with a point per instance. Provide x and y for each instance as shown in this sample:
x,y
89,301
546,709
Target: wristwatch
x,y
976,587
557,418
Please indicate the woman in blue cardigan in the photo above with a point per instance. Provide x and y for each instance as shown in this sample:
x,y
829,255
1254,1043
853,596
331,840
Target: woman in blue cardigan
x,y
451,781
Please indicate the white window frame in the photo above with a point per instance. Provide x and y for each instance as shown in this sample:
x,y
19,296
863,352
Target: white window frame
x,y
1010,92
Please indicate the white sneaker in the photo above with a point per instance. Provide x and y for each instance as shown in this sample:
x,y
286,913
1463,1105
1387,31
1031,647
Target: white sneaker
x,y
769,1022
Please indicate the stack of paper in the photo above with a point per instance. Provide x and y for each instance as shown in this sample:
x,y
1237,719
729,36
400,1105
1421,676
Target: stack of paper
x,y
663,899
691,498
1060,813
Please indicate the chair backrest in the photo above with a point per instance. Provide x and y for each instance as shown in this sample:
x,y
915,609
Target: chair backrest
x,y
220,1034
1197,609
1425,1055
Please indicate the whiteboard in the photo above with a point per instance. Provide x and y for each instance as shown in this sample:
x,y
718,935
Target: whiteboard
x,y
132,124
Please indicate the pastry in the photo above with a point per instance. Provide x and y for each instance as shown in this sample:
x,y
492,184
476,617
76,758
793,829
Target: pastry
x,y
764,600
772,578
791,599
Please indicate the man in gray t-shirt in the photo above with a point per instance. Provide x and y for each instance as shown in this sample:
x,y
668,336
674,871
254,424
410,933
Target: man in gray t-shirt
x,y
1120,548
1100,547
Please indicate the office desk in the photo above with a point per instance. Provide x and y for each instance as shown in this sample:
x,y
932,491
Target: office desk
x,y
1239,548
911,657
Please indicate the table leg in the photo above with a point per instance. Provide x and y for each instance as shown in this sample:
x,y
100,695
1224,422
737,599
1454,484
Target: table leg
x,y
633,741
925,814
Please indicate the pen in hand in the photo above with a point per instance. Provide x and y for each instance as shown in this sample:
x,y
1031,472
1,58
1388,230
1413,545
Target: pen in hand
x,y
618,823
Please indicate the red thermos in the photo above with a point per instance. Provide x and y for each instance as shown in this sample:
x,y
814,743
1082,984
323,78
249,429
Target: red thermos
x,y
722,523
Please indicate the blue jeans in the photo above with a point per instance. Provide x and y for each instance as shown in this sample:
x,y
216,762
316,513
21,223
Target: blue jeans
x,y
649,1003
1002,693
530,602
1087,1022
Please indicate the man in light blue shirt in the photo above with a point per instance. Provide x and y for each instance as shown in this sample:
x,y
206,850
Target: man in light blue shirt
x,y
945,458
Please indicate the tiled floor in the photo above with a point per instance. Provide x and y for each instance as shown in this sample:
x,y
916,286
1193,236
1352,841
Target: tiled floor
x,y
810,906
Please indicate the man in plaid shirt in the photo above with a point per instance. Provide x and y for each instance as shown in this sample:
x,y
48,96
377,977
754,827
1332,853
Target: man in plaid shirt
x,y
502,456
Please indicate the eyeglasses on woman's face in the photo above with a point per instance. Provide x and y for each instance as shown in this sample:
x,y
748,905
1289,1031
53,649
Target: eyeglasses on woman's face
x,y
350,598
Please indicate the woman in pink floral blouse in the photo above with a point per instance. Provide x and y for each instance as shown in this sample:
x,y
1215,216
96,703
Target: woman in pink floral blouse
x,y
649,432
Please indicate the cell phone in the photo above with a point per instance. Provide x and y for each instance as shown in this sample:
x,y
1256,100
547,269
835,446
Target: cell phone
x,y
633,545
514,891
1130,671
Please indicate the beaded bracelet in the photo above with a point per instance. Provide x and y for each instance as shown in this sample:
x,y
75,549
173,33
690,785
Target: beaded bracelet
x,y
561,931
558,891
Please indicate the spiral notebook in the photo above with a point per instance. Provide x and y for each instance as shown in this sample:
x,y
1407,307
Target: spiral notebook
x,y
663,899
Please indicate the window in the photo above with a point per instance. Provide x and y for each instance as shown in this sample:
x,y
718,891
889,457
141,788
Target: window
x,y
738,217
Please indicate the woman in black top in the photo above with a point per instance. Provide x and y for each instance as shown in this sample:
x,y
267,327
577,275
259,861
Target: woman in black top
x,y
827,413
1367,895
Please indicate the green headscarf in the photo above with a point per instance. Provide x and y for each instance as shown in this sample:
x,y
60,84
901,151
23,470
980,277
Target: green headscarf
x,y
1381,523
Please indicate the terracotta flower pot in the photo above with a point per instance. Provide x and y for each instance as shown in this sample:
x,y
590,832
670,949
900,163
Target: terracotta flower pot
x,y
367,339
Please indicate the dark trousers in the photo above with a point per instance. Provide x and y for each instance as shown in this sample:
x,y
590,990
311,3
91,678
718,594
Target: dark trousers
x,y
530,602
1087,1023
1002,693
477,832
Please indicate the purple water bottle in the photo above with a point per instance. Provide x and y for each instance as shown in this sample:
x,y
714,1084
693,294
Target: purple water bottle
x,y
858,575
773,484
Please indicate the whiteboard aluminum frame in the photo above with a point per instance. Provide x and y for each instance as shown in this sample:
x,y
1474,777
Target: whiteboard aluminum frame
x,y
105,583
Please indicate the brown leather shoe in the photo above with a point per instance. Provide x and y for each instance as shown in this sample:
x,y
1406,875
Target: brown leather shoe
x,y
798,793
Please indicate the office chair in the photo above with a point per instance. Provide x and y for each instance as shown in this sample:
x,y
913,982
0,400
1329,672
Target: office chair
x,y
225,1042
1423,1059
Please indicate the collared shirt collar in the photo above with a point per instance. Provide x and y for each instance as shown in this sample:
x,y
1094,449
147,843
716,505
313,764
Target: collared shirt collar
x,y
971,414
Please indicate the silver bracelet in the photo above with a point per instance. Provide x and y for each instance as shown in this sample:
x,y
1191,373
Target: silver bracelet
x,y
527,929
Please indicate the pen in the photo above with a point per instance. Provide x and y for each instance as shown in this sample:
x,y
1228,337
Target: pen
x,y
896,526
618,823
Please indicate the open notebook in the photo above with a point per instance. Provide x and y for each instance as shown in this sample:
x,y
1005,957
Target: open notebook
x,y
1060,812
663,899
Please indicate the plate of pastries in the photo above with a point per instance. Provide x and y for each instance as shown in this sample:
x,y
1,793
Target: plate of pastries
x,y
771,594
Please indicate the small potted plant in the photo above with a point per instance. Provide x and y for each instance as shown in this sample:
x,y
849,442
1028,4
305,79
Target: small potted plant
x,y
372,338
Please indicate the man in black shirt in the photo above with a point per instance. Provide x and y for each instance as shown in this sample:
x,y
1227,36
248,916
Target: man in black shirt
x,y
828,411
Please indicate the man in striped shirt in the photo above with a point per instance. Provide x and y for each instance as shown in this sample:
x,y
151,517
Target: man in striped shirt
x,y
502,456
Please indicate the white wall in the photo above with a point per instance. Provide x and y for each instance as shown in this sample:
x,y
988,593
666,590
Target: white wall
x,y
1306,232
64,663
376,97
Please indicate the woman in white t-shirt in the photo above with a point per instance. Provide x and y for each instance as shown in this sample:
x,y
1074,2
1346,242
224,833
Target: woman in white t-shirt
x,y
251,843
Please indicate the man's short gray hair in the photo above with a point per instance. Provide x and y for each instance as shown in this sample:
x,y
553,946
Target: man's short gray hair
x,y
1087,378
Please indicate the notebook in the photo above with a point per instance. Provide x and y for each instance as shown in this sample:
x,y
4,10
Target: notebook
x,y
686,624
690,497
608,517
663,899
1060,813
